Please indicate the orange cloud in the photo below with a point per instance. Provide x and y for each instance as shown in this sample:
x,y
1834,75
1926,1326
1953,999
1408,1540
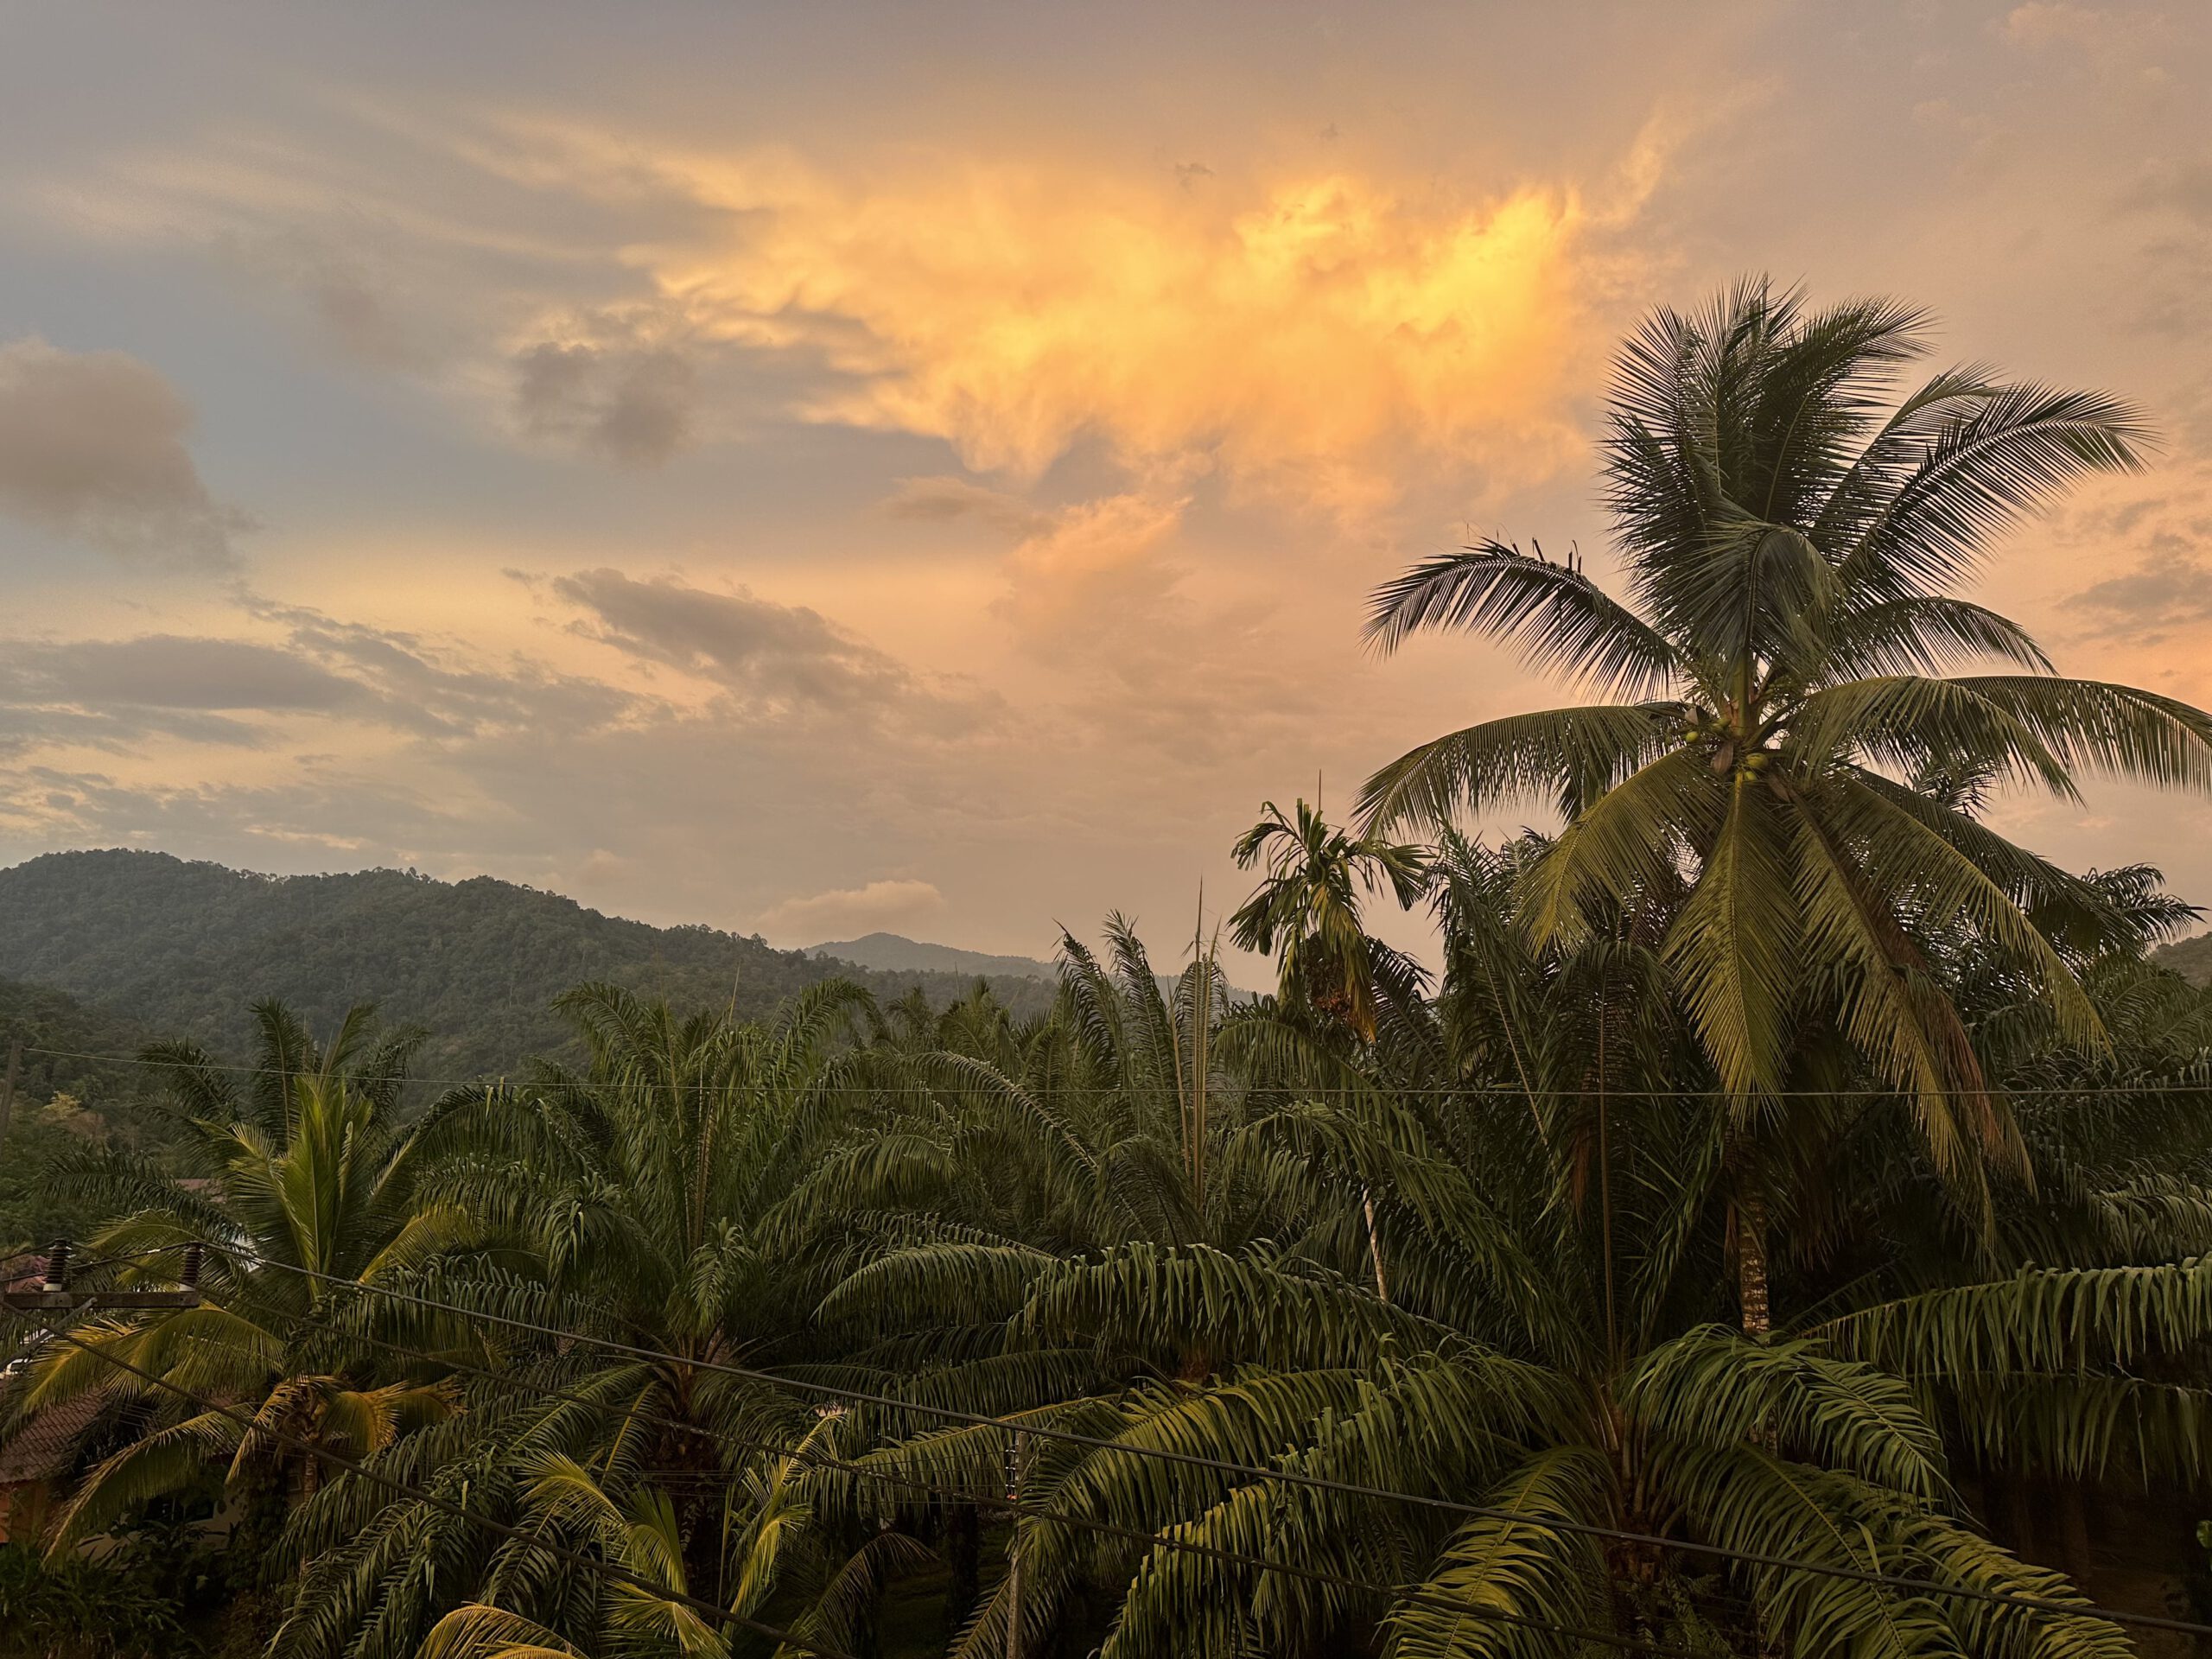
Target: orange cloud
x,y
1327,335
1311,339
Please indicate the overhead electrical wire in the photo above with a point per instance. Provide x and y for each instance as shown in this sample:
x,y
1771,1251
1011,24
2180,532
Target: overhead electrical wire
x,y
1320,1092
423,1494
1412,1594
2040,1605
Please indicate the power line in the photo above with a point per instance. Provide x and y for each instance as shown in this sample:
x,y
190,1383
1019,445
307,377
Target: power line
x,y
1250,1471
1410,1593
1446,1090
423,1495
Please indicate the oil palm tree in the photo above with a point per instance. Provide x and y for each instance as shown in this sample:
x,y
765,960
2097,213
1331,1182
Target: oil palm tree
x,y
302,1161
669,1196
1609,1468
769,1547
1113,1136
1792,537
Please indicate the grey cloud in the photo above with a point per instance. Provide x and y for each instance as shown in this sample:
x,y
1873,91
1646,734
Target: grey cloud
x,y
2165,533
780,654
92,447
2180,187
30,726
712,819
109,693
2165,591
942,499
346,300
415,687
635,408
316,807
167,670
106,694
2174,195
357,318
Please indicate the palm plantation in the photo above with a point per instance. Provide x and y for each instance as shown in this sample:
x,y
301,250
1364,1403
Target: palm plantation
x,y
1768,1221
664,1198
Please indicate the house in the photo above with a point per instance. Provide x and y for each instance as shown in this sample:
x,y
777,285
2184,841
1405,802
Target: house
x,y
36,1463
39,1459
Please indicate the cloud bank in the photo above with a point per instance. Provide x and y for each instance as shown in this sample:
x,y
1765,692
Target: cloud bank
x,y
847,912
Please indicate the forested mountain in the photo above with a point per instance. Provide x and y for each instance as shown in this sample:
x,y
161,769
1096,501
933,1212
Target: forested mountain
x,y
182,949
2190,958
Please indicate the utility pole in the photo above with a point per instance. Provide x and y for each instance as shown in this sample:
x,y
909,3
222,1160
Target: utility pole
x,y
54,1294
1013,1547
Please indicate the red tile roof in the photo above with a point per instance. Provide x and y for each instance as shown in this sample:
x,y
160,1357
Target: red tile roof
x,y
46,1446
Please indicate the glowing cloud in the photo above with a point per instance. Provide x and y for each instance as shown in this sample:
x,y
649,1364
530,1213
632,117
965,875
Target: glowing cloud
x,y
1310,340
1322,334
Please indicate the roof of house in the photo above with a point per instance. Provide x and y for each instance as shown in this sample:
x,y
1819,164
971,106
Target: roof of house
x,y
47,1445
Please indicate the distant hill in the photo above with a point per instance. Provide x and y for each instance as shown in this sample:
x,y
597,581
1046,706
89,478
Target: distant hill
x,y
181,948
891,952
2190,958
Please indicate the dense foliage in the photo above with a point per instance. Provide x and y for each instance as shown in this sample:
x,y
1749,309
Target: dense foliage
x,y
1433,1263
1779,1222
61,1100
2190,958
476,964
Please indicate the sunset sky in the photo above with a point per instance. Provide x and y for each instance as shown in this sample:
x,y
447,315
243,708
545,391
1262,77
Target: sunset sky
x,y
816,468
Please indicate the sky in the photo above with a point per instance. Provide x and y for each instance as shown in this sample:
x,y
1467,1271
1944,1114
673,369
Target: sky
x,y
812,469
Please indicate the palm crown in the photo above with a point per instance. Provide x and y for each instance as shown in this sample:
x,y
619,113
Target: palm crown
x,y
1791,547
1308,903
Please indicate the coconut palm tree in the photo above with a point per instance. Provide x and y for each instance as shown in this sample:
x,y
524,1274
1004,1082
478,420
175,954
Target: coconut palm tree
x,y
1792,536
302,1161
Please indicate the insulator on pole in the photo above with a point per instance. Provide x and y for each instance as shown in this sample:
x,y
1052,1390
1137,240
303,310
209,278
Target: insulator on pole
x,y
189,1275
57,1265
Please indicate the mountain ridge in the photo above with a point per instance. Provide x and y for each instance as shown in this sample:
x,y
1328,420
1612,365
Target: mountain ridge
x,y
182,947
896,953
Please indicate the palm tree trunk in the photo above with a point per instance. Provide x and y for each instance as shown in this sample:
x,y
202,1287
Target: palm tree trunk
x,y
1605,1184
2020,1517
1373,1244
964,1551
1015,1634
2073,1530
1750,1263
